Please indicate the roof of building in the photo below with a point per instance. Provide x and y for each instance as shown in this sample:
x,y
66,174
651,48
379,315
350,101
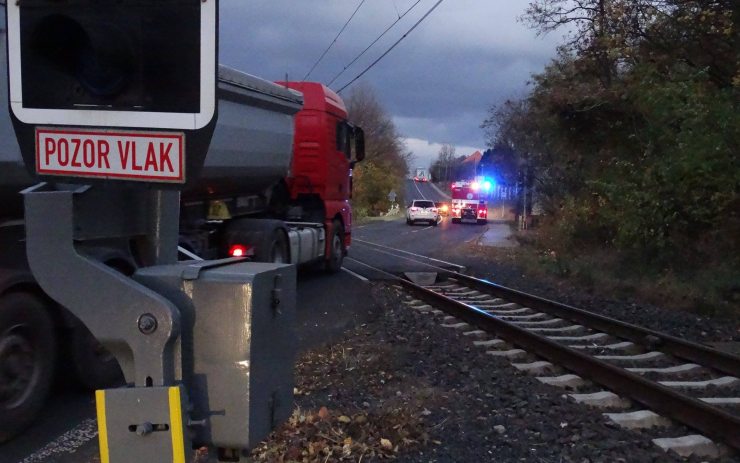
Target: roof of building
x,y
475,157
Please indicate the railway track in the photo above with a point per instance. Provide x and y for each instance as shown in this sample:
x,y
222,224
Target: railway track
x,y
652,377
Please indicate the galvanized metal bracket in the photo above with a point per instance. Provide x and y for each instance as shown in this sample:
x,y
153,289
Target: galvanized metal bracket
x,y
139,326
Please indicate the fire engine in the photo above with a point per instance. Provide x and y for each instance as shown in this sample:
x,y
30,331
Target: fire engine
x,y
468,201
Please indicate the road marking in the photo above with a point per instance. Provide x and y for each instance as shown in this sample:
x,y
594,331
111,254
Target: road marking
x,y
409,253
421,229
417,189
68,442
356,275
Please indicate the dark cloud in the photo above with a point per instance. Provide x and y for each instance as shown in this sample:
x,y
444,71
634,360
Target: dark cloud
x,y
438,83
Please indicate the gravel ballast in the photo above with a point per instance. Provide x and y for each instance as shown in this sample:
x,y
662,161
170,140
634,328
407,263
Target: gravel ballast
x,y
402,387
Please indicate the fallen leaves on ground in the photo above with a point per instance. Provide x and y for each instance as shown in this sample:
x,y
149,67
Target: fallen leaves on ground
x,y
328,436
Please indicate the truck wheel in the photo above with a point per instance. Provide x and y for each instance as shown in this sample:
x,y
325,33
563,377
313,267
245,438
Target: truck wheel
x,y
278,248
96,367
336,248
27,358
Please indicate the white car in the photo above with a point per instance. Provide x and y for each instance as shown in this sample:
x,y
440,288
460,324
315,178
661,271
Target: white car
x,y
422,210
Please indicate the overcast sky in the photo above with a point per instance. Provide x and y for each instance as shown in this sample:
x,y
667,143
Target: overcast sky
x,y
437,84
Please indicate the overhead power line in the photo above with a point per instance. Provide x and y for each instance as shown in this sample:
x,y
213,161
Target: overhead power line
x,y
392,46
400,16
333,41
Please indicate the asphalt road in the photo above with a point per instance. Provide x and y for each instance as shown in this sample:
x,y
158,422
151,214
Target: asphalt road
x,y
327,306
424,190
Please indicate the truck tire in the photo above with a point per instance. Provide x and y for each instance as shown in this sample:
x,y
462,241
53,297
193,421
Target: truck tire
x,y
277,250
336,248
96,368
28,349
268,237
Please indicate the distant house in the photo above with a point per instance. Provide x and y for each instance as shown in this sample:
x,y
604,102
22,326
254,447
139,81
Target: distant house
x,y
470,164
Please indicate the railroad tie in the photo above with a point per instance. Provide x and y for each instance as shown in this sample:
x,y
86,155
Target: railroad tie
x,y
732,401
570,381
641,419
616,346
494,311
489,343
717,382
562,329
692,445
511,353
456,326
535,368
587,337
552,321
522,317
602,399
632,358
674,370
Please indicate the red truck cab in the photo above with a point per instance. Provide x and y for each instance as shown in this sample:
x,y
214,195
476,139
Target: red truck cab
x,y
320,173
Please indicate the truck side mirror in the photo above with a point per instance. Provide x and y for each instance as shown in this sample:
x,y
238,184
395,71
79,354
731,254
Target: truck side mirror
x,y
359,144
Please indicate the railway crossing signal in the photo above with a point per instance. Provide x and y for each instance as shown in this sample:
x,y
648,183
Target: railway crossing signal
x,y
121,95
76,66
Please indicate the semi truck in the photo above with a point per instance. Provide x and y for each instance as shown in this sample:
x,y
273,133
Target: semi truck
x,y
275,187
421,175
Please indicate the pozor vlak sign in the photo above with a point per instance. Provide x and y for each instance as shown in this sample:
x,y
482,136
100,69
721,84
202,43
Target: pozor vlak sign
x,y
113,89
110,154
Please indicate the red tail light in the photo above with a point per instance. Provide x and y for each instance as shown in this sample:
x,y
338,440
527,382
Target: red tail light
x,y
240,250
482,212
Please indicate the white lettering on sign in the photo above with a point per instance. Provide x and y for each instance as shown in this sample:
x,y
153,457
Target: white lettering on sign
x,y
139,156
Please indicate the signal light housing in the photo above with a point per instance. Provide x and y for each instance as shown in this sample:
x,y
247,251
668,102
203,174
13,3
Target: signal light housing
x,y
104,64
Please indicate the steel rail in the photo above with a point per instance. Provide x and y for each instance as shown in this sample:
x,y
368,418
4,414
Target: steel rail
x,y
696,353
691,412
